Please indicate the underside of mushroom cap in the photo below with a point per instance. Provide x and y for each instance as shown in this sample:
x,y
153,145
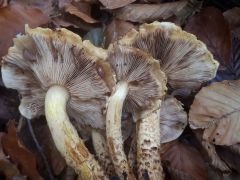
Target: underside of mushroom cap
x,y
146,82
185,60
173,119
45,57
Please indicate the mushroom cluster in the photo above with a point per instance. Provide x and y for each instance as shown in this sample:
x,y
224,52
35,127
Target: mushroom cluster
x,y
84,89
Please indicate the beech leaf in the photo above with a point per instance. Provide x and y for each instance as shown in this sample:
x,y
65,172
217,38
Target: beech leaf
x,y
13,19
151,12
216,108
114,4
19,154
183,161
210,27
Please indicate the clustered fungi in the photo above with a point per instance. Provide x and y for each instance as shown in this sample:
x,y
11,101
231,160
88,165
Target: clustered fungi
x,y
63,77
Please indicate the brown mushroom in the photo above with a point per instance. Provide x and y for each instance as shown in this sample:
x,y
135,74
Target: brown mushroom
x,y
185,60
56,74
140,84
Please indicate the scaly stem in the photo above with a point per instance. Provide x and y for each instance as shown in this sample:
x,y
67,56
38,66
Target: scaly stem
x,y
101,150
114,132
148,146
66,138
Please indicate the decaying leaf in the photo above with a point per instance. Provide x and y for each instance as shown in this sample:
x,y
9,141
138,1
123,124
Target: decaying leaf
x,y
8,169
231,71
173,119
216,161
12,20
216,108
152,12
233,18
115,30
73,10
114,4
183,161
211,28
19,154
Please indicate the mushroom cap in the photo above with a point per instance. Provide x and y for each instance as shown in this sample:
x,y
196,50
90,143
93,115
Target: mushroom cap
x,y
45,57
146,82
185,60
173,119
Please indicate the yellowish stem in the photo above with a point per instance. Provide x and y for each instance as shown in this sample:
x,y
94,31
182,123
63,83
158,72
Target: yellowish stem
x,y
66,138
114,132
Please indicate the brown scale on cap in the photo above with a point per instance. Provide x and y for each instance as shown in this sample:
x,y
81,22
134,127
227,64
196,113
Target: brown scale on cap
x,y
185,60
139,85
55,70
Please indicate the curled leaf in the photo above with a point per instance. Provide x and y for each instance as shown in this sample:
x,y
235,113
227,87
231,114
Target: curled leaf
x,y
152,12
114,4
216,108
173,119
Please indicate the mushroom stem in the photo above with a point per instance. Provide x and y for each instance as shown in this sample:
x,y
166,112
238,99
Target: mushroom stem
x,y
114,132
148,146
101,150
65,136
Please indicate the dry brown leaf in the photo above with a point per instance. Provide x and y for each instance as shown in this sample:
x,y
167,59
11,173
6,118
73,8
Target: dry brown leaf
x,y
183,161
73,10
151,12
173,119
216,161
7,169
3,3
115,30
217,109
233,17
211,28
12,20
114,4
19,154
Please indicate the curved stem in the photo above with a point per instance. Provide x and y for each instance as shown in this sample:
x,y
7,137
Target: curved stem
x,y
101,150
65,136
114,132
148,146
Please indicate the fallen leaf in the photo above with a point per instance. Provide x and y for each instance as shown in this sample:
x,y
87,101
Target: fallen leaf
x,y
12,20
183,161
49,159
210,27
115,30
3,3
114,4
8,169
19,154
231,71
216,108
173,119
73,10
152,12
233,17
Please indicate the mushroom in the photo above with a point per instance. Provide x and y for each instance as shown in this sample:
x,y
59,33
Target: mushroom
x,y
140,85
185,60
57,74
